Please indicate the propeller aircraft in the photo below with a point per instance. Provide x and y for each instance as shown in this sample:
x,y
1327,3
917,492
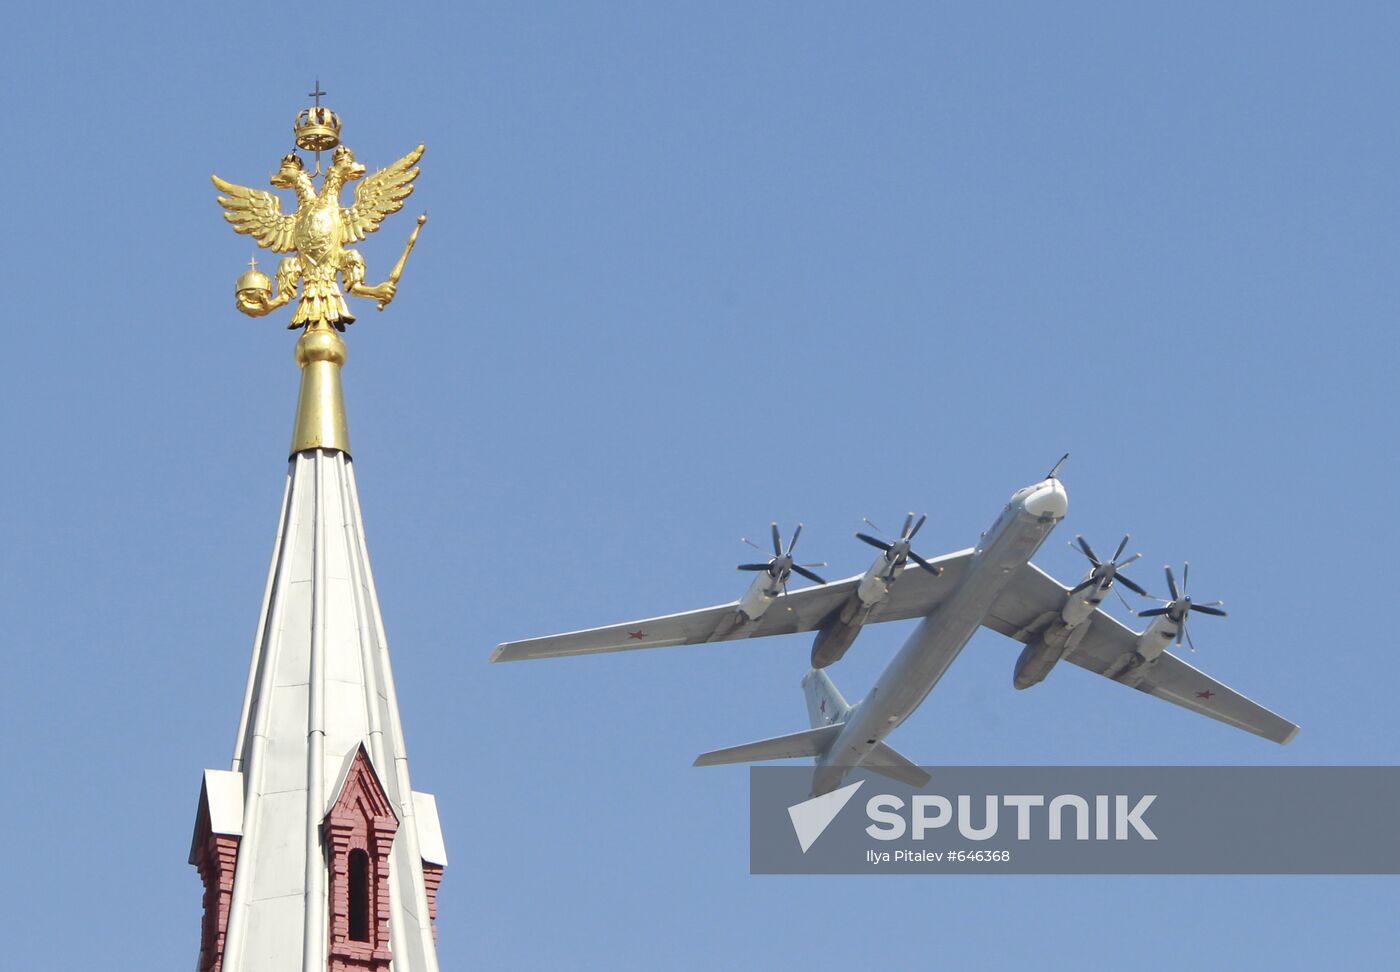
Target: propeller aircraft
x,y
992,584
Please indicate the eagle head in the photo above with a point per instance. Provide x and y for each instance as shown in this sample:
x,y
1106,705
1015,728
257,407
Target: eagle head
x,y
291,171
344,165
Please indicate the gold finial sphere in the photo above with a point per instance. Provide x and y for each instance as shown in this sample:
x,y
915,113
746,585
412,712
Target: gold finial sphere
x,y
320,344
317,129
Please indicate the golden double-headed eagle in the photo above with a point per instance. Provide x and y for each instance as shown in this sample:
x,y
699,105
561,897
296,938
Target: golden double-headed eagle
x,y
318,234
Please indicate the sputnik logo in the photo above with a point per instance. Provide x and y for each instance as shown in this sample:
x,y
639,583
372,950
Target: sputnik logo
x,y
810,818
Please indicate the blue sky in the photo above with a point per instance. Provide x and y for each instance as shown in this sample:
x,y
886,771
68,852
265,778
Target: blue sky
x,y
691,268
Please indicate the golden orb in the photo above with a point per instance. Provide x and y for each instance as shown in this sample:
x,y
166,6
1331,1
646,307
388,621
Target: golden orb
x,y
253,284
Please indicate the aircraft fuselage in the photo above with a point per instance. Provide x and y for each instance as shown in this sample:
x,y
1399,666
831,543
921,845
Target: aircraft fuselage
x,y
1007,546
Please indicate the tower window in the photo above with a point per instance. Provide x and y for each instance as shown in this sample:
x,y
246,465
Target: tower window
x,y
359,836
359,896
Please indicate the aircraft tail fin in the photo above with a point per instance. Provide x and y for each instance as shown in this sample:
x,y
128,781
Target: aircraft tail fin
x,y
825,706
809,742
885,761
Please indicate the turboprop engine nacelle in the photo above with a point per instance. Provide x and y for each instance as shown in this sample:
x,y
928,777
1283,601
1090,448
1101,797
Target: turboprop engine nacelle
x,y
1036,660
772,578
1075,615
876,583
1044,652
839,633
832,641
760,596
1079,607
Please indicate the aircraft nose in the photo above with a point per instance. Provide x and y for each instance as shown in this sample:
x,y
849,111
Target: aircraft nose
x,y
1048,499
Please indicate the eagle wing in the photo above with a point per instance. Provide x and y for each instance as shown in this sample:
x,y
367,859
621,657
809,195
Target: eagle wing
x,y
258,214
380,195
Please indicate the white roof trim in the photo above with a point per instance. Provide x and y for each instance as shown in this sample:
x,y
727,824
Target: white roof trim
x,y
221,796
431,846
224,791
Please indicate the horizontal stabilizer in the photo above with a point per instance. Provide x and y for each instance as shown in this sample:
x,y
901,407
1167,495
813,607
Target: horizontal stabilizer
x,y
887,762
809,742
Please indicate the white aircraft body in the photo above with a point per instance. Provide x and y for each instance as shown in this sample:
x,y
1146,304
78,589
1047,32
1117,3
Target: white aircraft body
x,y
992,584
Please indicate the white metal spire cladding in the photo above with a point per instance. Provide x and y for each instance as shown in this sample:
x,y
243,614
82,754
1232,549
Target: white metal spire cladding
x,y
320,715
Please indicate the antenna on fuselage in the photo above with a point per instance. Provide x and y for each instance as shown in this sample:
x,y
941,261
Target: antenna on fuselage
x,y
1051,474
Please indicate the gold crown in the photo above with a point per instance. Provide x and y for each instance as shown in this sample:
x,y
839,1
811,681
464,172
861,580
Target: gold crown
x,y
291,158
318,129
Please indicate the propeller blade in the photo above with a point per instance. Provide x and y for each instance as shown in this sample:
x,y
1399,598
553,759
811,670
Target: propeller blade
x,y
1126,582
1124,600
819,563
867,538
777,541
795,534
1131,560
752,544
1171,584
1088,550
904,533
1181,633
917,527
1154,612
871,525
753,567
1091,582
798,568
1210,609
1119,552
1185,576
1191,644
931,568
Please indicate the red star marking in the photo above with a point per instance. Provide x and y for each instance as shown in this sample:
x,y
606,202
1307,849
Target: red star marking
x,y
639,635
1205,695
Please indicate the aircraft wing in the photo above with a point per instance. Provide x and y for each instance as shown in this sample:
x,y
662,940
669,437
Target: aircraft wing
x,y
1033,599
913,594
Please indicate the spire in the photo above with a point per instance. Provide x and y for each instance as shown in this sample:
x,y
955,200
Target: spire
x,y
315,851
320,717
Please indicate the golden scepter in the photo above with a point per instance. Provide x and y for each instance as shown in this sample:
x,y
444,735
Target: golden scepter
x,y
397,272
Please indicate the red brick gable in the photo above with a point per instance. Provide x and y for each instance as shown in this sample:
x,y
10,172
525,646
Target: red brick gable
x,y
358,835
